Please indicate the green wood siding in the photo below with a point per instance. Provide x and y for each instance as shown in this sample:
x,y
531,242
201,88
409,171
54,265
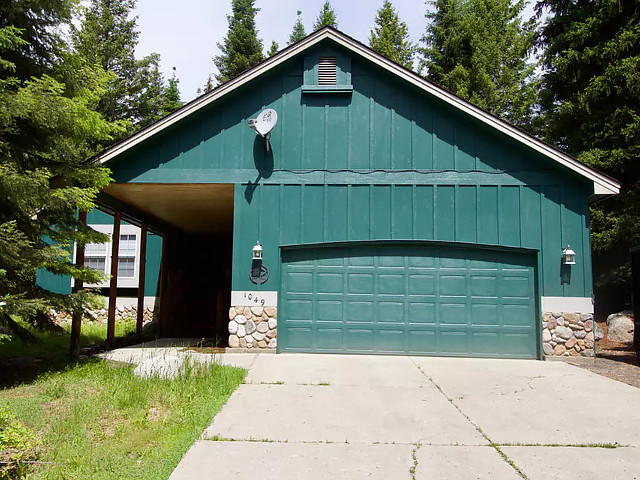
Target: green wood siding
x,y
408,299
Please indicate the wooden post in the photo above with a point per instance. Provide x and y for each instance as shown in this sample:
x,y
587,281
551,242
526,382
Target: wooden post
x,y
141,275
113,285
164,301
76,317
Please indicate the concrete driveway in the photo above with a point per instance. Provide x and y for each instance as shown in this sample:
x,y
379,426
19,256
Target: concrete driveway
x,y
349,417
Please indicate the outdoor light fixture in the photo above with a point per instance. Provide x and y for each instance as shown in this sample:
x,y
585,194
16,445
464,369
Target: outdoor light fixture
x,y
568,256
257,251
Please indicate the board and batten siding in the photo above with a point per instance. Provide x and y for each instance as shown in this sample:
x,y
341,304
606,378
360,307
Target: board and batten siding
x,y
385,162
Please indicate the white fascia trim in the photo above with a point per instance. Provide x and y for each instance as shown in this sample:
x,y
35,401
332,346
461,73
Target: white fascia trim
x,y
254,298
602,184
566,304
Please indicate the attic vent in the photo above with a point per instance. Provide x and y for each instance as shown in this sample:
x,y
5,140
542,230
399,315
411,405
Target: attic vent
x,y
327,71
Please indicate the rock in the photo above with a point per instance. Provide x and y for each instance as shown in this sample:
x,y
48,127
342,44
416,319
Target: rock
x,y
243,343
575,326
571,317
556,314
241,319
552,323
270,311
271,334
573,352
570,343
262,327
588,342
150,327
587,353
564,332
250,327
234,341
580,334
247,311
620,328
164,367
559,350
588,325
232,313
241,331
249,340
257,336
546,336
233,327
273,323
257,311
560,320
599,332
581,343
548,349
273,343
559,340
262,344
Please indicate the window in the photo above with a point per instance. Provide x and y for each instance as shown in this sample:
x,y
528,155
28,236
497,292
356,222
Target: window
x,y
327,71
98,255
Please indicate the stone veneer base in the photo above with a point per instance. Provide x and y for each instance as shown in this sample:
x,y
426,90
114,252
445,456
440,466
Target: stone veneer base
x,y
253,328
568,334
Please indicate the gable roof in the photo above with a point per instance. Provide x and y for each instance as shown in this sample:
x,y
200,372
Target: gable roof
x,y
603,184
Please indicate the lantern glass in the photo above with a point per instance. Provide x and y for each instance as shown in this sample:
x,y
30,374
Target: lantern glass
x,y
568,256
257,251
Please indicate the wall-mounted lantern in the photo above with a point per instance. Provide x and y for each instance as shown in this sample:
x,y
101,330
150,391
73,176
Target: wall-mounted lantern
x,y
568,256
257,251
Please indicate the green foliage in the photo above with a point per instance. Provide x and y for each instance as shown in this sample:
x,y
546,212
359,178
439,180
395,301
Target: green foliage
x,y
298,32
241,49
591,97
171,96
390,36
326,17
479,50
273,49
17,446
108,37
47,131
101,422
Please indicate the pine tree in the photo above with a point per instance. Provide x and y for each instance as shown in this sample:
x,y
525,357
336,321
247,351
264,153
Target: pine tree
x,y
390,36
273,49
298,32
591,97
479,50
171,95
108,37
242,49
326,17
48,130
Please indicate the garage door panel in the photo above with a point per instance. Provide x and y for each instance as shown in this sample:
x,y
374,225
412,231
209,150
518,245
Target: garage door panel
x,y
414,300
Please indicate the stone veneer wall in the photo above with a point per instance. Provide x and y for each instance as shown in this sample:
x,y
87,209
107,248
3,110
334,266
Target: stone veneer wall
x,y
568,334
253,327
123,312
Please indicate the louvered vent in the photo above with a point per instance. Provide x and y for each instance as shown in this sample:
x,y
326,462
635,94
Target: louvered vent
x,y
327,71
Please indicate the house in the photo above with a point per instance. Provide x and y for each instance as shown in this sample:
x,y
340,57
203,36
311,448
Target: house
x,y
392,216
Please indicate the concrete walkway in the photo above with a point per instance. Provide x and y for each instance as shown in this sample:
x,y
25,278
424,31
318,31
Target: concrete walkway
x,y
333,416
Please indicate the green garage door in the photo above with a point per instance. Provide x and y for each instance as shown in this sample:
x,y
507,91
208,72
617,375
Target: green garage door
x,y
408,300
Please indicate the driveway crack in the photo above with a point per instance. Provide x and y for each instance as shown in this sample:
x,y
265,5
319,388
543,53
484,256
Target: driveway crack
x,y
492,444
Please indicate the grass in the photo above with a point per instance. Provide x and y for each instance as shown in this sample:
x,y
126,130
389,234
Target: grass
x,y
97,421
51,346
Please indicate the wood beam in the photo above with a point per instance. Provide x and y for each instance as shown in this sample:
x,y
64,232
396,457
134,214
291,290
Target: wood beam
x,y
113,285
164,301
141,278
76,317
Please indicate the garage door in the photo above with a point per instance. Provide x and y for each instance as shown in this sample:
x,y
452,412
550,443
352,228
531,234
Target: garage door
x,y
408,300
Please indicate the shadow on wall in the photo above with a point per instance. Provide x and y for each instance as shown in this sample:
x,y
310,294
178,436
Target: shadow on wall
x,y
263,161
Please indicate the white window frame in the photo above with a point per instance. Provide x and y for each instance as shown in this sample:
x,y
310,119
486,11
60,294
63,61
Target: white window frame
x,y
123,282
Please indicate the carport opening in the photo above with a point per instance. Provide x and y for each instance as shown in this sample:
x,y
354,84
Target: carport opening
x,y
196,294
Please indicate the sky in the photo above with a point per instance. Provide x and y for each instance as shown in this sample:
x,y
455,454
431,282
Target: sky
x,y
186,33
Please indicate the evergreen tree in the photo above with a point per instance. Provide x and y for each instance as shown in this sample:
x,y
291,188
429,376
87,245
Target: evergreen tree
x,y
326,17
242,49
108,37
390,36
298,32
273,49
48,130
591,97
479,50
171,95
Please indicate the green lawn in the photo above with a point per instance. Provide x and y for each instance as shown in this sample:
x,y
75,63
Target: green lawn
x,y
51,346
92,420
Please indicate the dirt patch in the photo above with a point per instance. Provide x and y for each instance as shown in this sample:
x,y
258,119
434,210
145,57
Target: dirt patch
x,y
613,360
207,346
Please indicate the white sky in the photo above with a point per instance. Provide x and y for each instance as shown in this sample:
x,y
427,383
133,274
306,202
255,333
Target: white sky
x,y
185,33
